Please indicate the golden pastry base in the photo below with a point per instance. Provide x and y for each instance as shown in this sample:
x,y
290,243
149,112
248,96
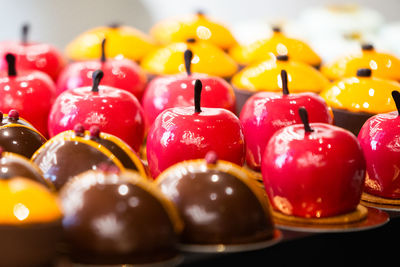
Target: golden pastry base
x,y
380,202
255,175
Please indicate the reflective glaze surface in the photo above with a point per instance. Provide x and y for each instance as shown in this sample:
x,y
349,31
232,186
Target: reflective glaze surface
x,y
33,56
115,111
105,215
362,94
317,174
124,40
21,140
177,91
278,44
196,26
216,205
383,65
266,112
181,134
122,73
23,93
379,139
266,76
207,58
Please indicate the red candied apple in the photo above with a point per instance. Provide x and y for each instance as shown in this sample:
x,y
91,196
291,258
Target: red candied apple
x,y
113,110
313,170
184,133
171,91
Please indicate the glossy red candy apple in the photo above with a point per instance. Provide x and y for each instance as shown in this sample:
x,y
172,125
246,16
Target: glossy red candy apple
x,y
33,55
115,111
266,112
184,133
30,92
379,139
313,170
119,73
171,91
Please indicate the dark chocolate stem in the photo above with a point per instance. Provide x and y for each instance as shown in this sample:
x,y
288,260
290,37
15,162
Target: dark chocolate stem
x,y
10,58
284,78
103,53
396,98
191,40
200,13
304,118
276,29
114,25
197,95
97,76
188,55
24,33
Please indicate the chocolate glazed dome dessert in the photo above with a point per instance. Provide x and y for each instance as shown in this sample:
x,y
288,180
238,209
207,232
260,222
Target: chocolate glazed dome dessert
x,y
118,218
218,202
18,136
30,223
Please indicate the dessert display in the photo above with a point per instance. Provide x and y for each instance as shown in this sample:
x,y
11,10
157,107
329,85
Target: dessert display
x,y
266,112
21,90
301,174
32,55
207,58
176,91
355,99
122,41
218,203
382,64
115,111
265,76
18,136
72,152
119,73
198,26
277,44
30,223
118,218
184,133
378,140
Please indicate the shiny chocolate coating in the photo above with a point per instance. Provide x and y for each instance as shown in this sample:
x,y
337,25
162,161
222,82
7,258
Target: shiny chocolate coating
x,y
109,220
11,166
216,207
21,140
61,159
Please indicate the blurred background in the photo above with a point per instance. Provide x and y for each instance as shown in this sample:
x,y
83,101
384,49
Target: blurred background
x,y
58,22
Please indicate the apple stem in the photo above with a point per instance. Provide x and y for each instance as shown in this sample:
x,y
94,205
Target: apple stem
x,y
367,47
10,58
188,55
200,13
114,25
365,72
191,40
282,57
103,53
396,98
197,95
276,29
24,35
284,78
96,77
304,118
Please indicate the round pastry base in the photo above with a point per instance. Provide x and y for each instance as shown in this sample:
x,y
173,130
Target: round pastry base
x,y
363,218
175,261
380,202
231,248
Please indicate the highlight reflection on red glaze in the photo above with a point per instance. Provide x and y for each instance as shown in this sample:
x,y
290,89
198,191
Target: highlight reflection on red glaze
x,y
380,141
266,112
181,134
122,73
33,56
115,111
177,91
317,174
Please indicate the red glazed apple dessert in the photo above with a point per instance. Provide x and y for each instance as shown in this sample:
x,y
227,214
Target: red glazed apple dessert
x,y
218,202
119,73
118,218
18,136
32,55
266,112
313,170
113,110
29,92
176,91
184,133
